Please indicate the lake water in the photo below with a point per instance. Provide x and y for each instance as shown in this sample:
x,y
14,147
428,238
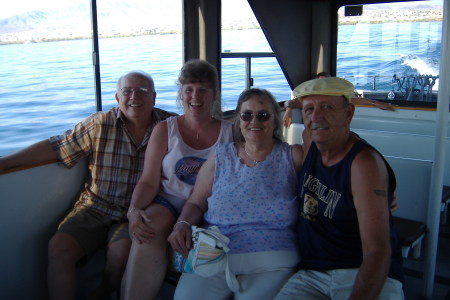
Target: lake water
x,y
403,49
46,88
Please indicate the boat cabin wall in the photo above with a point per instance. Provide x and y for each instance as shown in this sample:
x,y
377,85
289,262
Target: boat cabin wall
x,y
302,34
34,201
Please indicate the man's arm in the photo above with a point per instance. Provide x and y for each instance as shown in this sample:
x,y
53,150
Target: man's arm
x,y
39,152
379,104
369,179
289,105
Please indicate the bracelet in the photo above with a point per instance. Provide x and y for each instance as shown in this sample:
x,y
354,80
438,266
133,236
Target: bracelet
x,y
132,209
184,222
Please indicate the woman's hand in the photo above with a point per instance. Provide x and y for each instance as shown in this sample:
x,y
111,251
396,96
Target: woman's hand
x,y
180,238
140,226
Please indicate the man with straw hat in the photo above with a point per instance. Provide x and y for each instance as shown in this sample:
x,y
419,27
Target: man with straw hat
x,y
349,248
292,104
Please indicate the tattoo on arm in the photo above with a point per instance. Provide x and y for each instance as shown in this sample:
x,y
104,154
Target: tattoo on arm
x,y
380,193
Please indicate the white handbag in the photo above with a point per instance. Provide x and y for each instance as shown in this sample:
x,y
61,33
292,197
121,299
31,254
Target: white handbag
x,y
208,255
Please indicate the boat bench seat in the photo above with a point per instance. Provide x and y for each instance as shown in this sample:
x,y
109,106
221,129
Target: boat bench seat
x,y
395,124
411,236
412,195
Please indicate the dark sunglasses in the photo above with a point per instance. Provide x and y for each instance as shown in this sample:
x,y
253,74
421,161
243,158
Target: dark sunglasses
x,y
262,116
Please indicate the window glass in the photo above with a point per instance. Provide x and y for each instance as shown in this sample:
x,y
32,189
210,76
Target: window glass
x,y
241,33
141,35
47,74
391,52
46,69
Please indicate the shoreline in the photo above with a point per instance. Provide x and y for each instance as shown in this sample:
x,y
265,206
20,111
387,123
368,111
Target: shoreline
x,y
33,37
42,35
422,19
390,15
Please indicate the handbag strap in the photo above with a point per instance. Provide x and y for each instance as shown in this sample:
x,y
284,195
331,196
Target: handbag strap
x,y
231,279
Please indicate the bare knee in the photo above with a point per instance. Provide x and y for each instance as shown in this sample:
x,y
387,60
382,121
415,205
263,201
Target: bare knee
x,y
162,220
161,224
117,255
64,247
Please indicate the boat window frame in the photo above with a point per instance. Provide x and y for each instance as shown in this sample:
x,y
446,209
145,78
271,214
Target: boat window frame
x,y
419,104
96,56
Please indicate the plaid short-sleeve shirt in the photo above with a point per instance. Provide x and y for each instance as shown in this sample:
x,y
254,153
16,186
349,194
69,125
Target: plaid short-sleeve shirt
x,y
115,161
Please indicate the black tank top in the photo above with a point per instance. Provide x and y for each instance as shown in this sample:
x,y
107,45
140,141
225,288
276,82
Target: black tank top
x,y
328,225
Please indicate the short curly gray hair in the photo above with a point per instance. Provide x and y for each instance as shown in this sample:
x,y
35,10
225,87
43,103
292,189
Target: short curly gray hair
x,y
151,83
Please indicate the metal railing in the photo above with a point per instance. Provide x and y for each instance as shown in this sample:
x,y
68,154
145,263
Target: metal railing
x,y
410,87
421,85
248,62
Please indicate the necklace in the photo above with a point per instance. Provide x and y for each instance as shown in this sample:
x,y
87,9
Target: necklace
x,y
253,162
185,123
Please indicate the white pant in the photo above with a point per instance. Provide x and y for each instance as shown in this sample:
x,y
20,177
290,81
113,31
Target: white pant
x,y
260,275
332,284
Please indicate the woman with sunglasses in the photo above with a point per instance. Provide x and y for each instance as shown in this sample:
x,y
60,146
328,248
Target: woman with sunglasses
x,y
248,190
176,150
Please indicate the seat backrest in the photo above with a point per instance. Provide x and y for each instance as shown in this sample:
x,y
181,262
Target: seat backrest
x,y
413,187
407,145
34,201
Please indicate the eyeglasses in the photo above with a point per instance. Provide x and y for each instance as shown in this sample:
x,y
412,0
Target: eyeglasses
x,y
262,116
138,91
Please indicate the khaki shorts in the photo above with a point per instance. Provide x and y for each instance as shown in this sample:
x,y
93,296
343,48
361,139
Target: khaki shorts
x,y
93,230
332,284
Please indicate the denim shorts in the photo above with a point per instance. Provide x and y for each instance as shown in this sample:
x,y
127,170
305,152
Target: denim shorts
x,y
164,202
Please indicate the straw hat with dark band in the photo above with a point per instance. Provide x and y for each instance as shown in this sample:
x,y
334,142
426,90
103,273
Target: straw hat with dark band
x,y
331,86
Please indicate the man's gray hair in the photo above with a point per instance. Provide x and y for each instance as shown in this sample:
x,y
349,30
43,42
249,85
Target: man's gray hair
x,y
151,83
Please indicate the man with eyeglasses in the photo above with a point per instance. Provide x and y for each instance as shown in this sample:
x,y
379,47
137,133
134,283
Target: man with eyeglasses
x,y
114,143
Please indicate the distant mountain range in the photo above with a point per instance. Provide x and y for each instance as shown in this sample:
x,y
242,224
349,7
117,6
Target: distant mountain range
x,y
114,18
118,18
420,14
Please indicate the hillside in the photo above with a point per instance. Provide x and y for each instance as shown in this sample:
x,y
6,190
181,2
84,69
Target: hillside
x,y
419,14
134,17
